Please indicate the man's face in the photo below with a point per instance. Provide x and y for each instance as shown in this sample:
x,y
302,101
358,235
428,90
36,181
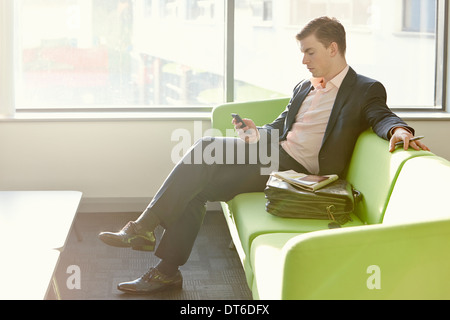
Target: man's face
x,y
316,57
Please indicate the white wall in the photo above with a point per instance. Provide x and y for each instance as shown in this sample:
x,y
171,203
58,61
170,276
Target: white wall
x,y
109,161
118,165
436,134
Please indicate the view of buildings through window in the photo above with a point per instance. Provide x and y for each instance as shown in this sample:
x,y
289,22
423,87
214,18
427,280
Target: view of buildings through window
x,y
146,53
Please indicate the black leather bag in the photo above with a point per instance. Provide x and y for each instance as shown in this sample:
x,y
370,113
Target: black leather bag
x,y
334,202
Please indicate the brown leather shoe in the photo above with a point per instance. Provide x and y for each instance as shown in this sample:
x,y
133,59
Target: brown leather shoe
x,y
151,282
131,236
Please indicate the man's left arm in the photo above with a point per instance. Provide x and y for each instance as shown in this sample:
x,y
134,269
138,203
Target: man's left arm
x,y
386,123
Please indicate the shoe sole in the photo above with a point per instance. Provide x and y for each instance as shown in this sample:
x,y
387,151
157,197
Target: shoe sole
x,y
149,248
135,246
174,286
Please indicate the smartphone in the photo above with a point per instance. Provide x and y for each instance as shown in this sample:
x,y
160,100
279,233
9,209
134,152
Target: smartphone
x,y
238,120
400,143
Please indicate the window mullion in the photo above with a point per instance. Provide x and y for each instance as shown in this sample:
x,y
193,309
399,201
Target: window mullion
x,y
441,53
229,49
7,107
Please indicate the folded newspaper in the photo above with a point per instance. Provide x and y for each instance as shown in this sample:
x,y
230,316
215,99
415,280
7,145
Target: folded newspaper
x,y
305,181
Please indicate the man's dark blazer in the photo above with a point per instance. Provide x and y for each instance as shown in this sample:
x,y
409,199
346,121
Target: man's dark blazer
x,y
360,104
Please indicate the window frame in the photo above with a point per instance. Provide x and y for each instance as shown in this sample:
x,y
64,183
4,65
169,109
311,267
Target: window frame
x,y
7,63
442,39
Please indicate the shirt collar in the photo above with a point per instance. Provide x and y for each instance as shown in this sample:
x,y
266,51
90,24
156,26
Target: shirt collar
x,y
336,81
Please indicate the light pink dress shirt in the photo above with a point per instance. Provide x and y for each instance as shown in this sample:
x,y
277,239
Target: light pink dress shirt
x,y
304,141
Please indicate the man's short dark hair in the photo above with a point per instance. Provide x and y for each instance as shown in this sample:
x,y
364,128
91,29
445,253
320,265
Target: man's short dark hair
x,y
327,30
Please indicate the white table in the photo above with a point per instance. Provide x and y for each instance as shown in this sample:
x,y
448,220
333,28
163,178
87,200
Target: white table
x,y
27,275
41,219
34,227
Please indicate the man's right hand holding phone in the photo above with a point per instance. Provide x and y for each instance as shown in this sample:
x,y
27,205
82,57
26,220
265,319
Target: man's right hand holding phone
x,y
246,129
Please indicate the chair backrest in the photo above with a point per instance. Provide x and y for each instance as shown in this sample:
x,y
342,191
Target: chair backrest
x,y
261,112
373,171
421,192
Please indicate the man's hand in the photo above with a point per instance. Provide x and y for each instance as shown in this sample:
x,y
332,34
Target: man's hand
x,y
249,132
249,124
401,134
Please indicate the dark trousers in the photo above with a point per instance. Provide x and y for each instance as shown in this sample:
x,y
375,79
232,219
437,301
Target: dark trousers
x,y
209,173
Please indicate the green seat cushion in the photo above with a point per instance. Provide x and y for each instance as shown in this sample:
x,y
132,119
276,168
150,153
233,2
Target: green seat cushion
x,y
252,220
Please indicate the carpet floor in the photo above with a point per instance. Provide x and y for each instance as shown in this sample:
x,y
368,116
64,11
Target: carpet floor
x,y
91,270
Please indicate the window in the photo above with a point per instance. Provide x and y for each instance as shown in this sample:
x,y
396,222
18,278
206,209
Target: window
x,y
350,12
380,45
262,10
170,54
201,10
419,16
119,53
259,51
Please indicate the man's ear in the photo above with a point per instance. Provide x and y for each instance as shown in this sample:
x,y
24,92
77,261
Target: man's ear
x,y
334,49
